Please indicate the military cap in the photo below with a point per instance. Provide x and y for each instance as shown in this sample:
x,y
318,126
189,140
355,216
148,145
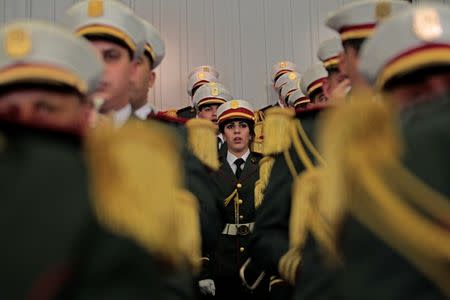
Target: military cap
x,y
235,109
418,38
357,20
282,67
285,78
297,98
313,79
198,78
211,93
154,45
289,87
29,54
109,18
329,51
205,69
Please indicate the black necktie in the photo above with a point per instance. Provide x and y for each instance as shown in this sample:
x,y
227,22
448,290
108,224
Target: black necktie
x,y
239,162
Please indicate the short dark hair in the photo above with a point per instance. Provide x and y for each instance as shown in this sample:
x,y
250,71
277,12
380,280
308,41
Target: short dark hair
x,y
202,106
112,39
150,59
314,94
250,123
353,43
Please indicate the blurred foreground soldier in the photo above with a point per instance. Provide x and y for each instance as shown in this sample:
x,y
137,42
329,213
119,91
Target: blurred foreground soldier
x,y
145,76
81,249
235,181
207,100
355,22
198,77
391,200
336,83
119,38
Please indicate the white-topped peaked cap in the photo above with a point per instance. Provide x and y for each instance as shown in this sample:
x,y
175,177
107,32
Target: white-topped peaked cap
x,y
329,51
313,79
29,54
154,45
235,109
417,38
107,18
211,93
282,67
285,78
357,20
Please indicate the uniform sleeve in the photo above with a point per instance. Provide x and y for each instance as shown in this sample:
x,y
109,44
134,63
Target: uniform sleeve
x,y
271,235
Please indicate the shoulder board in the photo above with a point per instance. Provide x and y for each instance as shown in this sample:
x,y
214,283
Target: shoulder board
x,y
164,117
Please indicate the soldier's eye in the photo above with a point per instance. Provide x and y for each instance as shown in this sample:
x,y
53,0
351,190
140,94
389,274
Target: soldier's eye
x,y
111,55
43,106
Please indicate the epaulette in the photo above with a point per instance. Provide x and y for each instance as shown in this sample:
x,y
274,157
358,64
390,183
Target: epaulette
x,y
166,118
202,141
130,200
381,193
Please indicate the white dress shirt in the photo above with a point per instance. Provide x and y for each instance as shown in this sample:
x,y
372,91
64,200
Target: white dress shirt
x,y
219,144
143,111
121,116
231,158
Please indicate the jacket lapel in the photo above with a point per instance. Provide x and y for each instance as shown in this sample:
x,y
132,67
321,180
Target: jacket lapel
x,y
251,166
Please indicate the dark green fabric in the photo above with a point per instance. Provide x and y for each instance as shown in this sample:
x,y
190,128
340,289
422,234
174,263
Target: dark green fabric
x,y
53,247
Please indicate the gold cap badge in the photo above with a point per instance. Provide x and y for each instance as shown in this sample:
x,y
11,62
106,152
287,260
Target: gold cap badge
x,y
234,104
18,42
201,76
427,25
283,65
206,69
292,76
215,91
382,10
95,8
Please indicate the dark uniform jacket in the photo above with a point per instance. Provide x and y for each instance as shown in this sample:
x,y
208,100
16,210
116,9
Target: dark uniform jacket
x,y
232,251
53,247
373,269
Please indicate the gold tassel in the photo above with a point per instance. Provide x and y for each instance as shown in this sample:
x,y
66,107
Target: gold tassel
x,y
265,168
258,143
277,124
130,198
203,142
289,264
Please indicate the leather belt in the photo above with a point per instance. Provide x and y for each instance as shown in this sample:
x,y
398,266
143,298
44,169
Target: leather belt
x,y
238,229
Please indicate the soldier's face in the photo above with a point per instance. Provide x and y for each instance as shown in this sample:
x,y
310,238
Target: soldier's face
x,y
48,108
209,112
141,82
119,69
237,135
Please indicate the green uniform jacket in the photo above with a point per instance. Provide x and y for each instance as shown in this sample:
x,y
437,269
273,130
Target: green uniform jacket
x,y
373,270
53,247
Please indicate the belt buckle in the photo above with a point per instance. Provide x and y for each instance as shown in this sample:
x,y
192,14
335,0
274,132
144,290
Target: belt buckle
x,y
243,230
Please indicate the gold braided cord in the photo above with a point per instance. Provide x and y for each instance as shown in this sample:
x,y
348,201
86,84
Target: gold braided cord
x,y
288,265
128,193
277,124
298,146
202,140
307,141
363,147
265,168
290,163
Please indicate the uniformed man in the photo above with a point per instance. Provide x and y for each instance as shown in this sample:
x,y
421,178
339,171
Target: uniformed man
x,y
278,72
145,76
298,100
329,54
198,77
289,87
235,181
75,253
312,84
355,22
384,254
119,37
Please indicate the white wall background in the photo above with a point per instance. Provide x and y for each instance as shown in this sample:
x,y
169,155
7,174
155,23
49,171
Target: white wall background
x,y
242,38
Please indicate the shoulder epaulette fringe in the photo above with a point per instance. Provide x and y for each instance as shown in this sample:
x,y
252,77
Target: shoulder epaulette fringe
x,y
133,200
202,140
265,168
381,193
277,123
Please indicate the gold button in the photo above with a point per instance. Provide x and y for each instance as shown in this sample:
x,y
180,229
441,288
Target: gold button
x,y
241,217
239,185
240,201
242,249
